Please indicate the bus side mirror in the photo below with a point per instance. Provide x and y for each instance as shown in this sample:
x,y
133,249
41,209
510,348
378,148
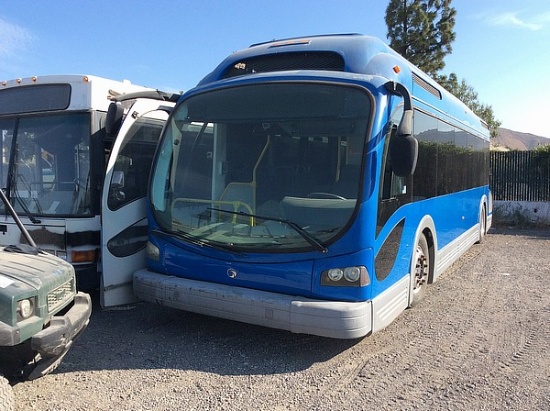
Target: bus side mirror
x,y
113,121
403,148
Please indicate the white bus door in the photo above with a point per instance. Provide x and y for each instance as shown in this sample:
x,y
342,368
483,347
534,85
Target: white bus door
x,y
123,213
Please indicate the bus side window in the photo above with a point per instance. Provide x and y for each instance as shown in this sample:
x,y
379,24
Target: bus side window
x,y
131,171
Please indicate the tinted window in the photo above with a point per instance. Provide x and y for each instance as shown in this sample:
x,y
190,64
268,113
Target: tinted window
x,y
34,98
449,159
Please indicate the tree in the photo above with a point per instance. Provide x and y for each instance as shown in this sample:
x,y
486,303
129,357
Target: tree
x,y
421,31
544,149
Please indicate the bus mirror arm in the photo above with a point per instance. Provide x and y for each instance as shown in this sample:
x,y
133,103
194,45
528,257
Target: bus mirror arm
x,y
405,127
403,148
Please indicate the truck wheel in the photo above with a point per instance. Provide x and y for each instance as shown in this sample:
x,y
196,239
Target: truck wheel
x,y
6,395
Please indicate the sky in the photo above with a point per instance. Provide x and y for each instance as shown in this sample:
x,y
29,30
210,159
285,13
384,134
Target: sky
x,y
502,47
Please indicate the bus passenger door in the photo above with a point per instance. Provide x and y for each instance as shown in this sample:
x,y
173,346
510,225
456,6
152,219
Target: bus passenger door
x,y
123,213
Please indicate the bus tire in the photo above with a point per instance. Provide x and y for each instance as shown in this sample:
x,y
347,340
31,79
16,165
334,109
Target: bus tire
x,y
482,225
6,395
420,271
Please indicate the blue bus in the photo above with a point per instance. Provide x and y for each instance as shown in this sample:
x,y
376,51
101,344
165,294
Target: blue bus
x,y
316,185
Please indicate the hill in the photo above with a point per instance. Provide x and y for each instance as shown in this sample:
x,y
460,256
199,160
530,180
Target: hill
x,y
515,140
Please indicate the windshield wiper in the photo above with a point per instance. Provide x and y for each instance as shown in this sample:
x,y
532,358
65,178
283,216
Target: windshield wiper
x,y
28,212
193,240
8,190
303,233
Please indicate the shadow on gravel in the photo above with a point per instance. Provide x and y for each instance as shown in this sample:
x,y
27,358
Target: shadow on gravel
x,y
147,336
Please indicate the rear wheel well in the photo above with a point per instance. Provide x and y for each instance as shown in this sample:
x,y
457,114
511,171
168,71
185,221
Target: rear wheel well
x,y
431,247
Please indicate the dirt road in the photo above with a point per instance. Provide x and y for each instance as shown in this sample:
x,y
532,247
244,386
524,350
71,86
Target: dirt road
x,y
478,341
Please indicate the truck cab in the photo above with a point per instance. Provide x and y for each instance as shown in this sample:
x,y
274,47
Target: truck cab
x,y
41,312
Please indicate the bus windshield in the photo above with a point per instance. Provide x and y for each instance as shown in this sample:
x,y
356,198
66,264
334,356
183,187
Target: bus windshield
x,y
49,171
262,167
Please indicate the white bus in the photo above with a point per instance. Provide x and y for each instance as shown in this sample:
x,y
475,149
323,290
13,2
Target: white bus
x,y
67,142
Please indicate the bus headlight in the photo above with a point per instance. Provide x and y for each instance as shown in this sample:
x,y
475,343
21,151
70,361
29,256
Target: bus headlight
x,y
335,274
355,276
152,251
25,308
352,274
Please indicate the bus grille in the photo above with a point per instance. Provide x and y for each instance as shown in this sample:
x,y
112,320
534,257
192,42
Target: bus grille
x,y
60,295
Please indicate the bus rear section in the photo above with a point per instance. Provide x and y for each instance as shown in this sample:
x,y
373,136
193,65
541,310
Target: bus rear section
x,y
286,196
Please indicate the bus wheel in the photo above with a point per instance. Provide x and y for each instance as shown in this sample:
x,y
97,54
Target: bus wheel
x,y
482,225
6,395
421,270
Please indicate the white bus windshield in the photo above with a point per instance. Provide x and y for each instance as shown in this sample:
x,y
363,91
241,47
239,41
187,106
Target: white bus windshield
x,y
48,173
262,167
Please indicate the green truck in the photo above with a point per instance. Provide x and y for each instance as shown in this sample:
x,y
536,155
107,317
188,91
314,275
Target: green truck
x,y
41,312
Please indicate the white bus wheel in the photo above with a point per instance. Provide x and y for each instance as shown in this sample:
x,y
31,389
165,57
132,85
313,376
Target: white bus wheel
x,y
421,270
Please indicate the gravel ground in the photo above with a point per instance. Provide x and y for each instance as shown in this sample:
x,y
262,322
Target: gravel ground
x,y
478,341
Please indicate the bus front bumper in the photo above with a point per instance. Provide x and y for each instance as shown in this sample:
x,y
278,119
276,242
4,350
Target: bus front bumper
x,y
333,319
